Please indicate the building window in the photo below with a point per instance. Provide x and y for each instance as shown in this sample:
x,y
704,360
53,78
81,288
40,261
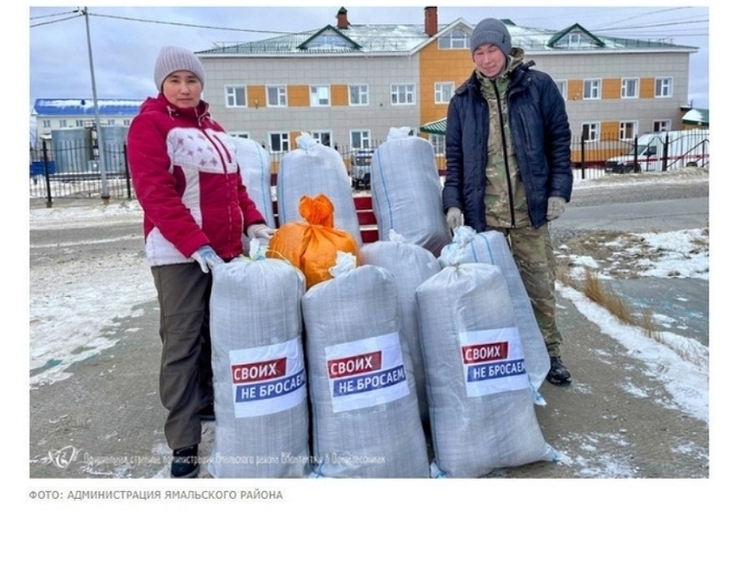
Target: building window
x,y
79,123
590,132
319,96
235,96
46,123
439,144
126,122
457,39
360,139
629,88
241,135
358,94
403,94
662,125
322,137
444,91
628,130
663,88
279,142
63,123
277,96
562,88
574,40
592,89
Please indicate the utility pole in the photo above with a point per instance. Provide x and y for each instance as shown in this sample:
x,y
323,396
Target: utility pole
x,y
102,161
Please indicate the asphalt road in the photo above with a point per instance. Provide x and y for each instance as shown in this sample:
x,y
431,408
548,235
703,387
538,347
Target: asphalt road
x,y
105,421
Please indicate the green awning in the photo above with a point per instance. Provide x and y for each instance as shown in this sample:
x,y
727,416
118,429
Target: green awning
x,y
696,117
434,127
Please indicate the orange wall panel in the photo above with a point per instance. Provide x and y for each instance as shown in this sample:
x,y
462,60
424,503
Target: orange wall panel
x,y
339,94
440,65
256,95
610,129
647,87
611,88
575,90
298,96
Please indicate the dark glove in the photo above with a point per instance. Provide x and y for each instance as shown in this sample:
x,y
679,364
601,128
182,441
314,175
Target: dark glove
x,y
207,258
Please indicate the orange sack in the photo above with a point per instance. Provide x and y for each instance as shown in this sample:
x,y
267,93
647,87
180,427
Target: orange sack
x,y
312,246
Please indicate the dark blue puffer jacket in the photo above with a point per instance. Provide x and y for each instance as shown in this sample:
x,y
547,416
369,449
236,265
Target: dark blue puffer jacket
x,y
541,135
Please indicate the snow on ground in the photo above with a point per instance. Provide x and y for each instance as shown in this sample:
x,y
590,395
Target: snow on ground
x,y
69,320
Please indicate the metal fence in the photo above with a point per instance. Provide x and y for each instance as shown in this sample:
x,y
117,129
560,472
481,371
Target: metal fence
x,y
73,167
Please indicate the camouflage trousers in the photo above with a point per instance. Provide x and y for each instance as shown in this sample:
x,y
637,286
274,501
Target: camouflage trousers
x,y
534,257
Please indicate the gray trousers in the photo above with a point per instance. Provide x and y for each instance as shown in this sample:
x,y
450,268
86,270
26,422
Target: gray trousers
x,y
186,375
533,253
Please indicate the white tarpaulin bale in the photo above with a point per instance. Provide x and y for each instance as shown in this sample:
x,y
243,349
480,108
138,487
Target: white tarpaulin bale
x,y
491,247
479,395
254,165
259,376
406,192
411,265
364,408
311,169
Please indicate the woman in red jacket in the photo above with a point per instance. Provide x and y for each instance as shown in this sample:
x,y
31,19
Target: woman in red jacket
x,y
196,208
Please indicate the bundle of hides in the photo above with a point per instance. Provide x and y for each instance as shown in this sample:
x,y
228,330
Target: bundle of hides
x,y
312,246
480,399
365,417
259,376
312,169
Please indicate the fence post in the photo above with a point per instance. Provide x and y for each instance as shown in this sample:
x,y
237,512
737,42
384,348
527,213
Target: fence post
x,y
583,158
127,171
635,153
45,159
665,154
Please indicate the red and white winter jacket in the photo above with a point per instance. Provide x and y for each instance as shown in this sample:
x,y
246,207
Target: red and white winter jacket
x,y
187,181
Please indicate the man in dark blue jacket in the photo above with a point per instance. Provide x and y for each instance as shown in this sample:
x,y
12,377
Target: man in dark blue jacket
x,y
508,166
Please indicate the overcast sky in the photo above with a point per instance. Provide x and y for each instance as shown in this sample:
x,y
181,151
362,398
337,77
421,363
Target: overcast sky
x,y
125,40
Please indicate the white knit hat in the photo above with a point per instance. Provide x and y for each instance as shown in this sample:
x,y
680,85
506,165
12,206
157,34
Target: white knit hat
x,y
172,59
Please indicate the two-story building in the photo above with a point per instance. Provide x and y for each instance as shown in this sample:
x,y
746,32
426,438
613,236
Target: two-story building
x,y
348,84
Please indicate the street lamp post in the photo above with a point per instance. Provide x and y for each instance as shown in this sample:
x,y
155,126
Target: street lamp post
x,y
102,161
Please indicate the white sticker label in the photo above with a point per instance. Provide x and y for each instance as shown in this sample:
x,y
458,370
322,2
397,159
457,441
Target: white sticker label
x,y
267,379
493,361
366,372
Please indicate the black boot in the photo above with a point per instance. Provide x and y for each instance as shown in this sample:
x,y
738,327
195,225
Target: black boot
x,y
558,373
185,463
207,413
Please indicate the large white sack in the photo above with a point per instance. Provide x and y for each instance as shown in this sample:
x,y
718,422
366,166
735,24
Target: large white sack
x,y
259,375
311,169
406,192
491,247
479,395
364,408
254,165
411,265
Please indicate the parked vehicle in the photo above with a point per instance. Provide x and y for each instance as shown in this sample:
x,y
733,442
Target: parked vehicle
x,y
666,150
360,170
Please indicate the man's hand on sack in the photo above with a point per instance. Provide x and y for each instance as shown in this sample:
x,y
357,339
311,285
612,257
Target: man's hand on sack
x,y
555,207
453,217
207,258
260,231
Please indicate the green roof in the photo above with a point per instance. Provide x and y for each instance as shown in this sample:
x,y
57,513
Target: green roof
x,y
434,127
